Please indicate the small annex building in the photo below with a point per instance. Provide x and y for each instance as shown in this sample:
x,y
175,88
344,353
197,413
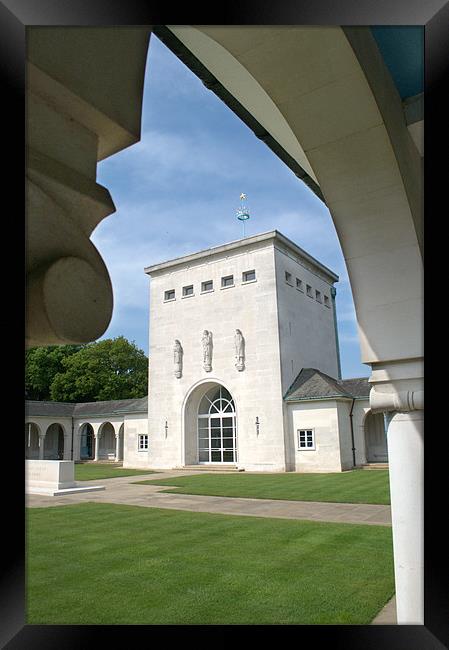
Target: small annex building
x,y
245,373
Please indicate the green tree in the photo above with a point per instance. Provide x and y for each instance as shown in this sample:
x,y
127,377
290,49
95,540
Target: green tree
x,y
105,370
42,365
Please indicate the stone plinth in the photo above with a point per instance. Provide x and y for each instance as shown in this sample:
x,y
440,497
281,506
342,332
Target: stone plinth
x,y
53,477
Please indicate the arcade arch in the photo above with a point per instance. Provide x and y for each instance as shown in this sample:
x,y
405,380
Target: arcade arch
x,y
375,438
54,442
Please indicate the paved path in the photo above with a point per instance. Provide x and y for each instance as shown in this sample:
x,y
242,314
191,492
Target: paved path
x,y
121,490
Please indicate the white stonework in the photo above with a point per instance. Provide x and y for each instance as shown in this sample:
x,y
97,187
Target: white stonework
x,y
241,370
53,478
287,318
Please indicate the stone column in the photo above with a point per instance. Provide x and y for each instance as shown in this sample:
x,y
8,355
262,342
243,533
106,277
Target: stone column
x,y
67,446
403,399
97,435
77,442
41,445
117,447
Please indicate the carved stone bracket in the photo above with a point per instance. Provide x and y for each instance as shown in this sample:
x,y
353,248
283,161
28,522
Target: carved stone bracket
x,y
392,400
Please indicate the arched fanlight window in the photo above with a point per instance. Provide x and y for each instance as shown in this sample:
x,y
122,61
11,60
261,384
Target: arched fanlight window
x,y
216,400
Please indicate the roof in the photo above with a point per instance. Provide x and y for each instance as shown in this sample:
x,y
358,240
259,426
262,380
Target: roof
x,y
254,239
81,409
314,384
112,407
59,409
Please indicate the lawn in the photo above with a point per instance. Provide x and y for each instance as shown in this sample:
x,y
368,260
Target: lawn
x,y
91,472
96,563
358,486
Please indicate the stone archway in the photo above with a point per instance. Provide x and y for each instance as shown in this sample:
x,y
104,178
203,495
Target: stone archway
x,y
325,99
106,442
375,438
209,425
87,442
217,431
54,442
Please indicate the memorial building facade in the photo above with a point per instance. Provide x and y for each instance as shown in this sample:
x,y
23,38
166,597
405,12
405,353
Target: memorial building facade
x,y
244,372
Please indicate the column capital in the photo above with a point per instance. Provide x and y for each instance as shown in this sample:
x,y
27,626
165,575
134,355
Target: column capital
x,y
397,386
401,401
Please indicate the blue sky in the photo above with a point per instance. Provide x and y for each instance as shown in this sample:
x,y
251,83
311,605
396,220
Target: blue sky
x,y
177,191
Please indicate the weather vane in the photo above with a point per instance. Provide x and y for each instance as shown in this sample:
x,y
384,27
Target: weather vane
x,y
243,212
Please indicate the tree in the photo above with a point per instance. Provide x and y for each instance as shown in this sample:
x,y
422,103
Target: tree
x,y
104,370
41,367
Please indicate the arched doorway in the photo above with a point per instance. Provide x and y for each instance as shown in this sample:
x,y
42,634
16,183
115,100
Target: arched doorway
x,y
217,433
106,442
375,438
87,442
31,441
54,442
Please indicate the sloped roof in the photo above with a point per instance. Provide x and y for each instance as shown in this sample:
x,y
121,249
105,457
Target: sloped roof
x,y
81,409
58,409
112,407
314,384
357,387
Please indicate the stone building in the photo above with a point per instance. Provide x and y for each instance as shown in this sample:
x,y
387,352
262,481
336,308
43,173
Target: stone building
x,y
232,329
245,372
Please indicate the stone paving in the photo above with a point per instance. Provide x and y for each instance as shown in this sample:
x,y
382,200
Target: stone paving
x,y
122,491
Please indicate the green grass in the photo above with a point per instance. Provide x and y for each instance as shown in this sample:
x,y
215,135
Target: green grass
x,y
111,564
358,486
91,472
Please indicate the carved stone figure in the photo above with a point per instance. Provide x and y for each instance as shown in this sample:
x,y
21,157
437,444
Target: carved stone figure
x,y
177,357
239,343
207,350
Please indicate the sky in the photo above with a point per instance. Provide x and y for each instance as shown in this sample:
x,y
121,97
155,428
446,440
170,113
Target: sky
x,y
177,191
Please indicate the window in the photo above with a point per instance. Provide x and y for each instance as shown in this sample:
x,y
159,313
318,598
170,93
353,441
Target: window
x,y
249,276
207,286
306,439
318,296
288,277
143,442
187,291
227,281
309,290
326,301
299,284
169,295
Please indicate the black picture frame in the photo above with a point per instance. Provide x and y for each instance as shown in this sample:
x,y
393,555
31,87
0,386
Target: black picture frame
x,y
15,16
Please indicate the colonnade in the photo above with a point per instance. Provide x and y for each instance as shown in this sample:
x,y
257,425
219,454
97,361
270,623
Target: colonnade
x,y
109,432
59,441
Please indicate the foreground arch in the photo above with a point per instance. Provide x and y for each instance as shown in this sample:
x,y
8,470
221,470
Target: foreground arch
x,y
325,102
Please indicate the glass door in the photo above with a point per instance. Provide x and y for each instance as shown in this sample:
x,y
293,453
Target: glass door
x,y
217,428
